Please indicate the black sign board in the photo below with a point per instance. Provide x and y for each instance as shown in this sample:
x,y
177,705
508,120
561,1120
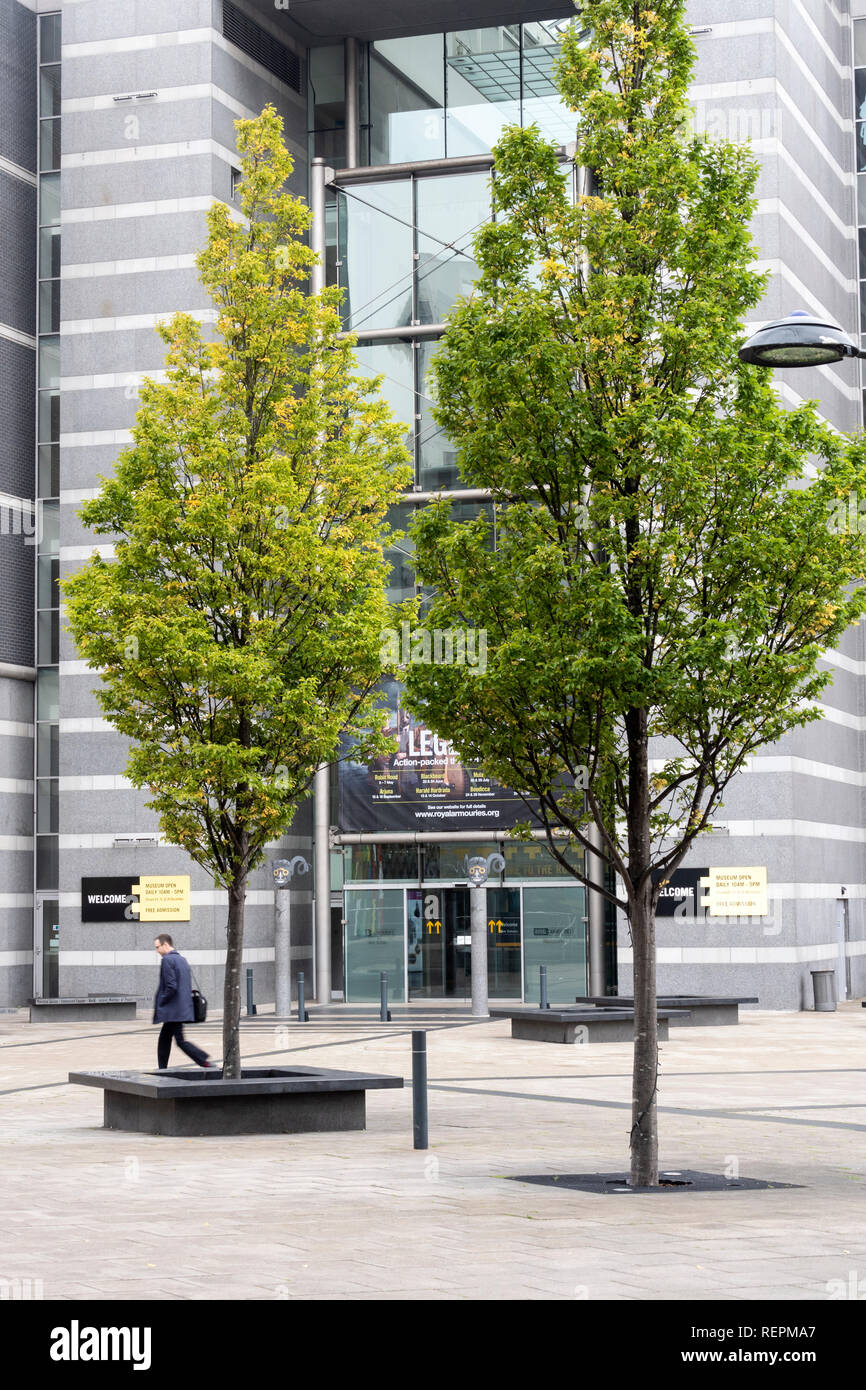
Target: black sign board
x,y
107,900
681,893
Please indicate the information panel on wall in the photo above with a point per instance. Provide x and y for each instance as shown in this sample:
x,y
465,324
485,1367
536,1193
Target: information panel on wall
x,y
735,892
145,898
162,898
422,785
719,892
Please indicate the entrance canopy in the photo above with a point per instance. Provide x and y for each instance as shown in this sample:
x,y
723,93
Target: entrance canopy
x,y
327,21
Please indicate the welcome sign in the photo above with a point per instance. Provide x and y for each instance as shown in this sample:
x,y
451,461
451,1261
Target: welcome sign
x,y
678,895
147,898
107,900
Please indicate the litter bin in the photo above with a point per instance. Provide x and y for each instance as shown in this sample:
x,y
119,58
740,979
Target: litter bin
x,y
824,988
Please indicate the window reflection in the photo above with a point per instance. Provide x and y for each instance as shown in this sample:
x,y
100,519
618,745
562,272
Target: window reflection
x,y
407,97
49,200
437,457
394,361
49,91
328,103
483,76
450,210
375,253
375,942
401,582
542,104
554,935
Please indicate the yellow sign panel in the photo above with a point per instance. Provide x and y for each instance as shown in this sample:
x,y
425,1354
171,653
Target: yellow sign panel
x,y
162,899
735,892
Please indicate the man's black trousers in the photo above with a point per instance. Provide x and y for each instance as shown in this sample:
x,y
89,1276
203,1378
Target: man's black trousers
x,y
174,1031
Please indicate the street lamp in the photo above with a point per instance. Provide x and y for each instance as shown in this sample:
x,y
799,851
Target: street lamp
x,y
798,341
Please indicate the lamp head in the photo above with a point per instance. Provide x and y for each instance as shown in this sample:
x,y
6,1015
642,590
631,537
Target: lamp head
x,y
798,341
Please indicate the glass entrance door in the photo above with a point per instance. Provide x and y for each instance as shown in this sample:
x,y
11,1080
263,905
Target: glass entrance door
x,y
438,939
503,943
440,943
46,982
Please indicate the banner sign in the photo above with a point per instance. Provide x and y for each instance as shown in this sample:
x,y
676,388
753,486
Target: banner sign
x,y
706,893
421,786
679,893
107,900
147,898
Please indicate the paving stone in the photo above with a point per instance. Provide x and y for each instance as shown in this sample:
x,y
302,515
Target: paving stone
x,y
100,1214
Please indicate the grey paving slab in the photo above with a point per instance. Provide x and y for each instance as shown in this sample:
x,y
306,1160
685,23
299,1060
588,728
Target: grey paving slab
x,y
364,1216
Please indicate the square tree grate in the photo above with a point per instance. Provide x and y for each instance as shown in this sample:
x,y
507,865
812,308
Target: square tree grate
x,y
670,1180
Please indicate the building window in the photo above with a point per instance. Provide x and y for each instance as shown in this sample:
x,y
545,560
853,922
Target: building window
x,y
48,465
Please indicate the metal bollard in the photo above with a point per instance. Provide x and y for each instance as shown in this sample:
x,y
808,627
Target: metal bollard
x,y
542,986
251,1008
303,1016
419,1090
384,1011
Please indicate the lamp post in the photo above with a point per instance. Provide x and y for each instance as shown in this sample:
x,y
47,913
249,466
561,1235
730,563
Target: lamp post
x,y
478,871
803,341
798,341
284,870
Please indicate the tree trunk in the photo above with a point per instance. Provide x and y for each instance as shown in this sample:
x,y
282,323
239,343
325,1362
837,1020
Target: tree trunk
x,y
232,984
644,1127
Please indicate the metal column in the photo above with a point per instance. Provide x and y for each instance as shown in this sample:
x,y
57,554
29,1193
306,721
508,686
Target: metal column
x,y
282,955
353,117
595,862
595,904
478,949
319,177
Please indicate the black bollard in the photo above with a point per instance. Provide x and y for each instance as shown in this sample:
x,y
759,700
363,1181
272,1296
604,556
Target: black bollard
x,y
384,1011
542,986
303,1016
251,1008
419,1090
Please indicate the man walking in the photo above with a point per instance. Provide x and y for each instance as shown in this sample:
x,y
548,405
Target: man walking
x,y
172,1005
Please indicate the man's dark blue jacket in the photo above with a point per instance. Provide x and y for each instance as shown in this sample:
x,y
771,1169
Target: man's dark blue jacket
x,y
173,999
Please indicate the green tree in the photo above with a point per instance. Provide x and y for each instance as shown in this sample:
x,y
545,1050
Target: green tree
x,y
237,630
666,569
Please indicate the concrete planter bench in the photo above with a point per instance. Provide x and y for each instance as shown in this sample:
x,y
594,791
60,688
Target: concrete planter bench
x,y
99,1008
702,1010
265,1100
561,1025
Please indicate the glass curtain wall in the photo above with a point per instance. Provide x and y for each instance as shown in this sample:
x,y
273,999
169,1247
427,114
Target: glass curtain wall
x,y
438,96
425,929
48,472
402,252
401,249
860,127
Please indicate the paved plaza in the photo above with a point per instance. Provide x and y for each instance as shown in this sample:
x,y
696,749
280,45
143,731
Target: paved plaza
x,y
95,1214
